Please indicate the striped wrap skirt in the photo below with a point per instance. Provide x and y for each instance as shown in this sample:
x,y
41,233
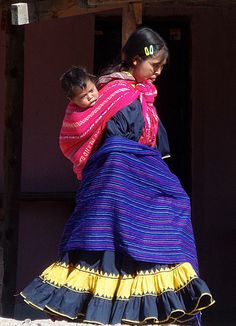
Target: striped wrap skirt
x,y
127,254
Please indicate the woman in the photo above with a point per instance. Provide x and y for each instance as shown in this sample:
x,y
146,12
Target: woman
x,y
127,254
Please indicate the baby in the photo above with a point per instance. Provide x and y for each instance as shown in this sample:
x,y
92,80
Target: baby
x,y
79,87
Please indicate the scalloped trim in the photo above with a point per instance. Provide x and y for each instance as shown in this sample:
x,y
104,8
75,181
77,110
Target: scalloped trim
x,y
105,285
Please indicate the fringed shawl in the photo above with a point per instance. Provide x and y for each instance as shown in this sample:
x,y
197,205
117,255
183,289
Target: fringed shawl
x,y
82,130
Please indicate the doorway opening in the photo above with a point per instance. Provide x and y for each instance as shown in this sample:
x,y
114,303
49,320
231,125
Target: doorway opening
x,y
174,85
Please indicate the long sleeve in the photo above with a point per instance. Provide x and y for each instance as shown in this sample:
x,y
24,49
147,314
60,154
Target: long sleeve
x,y
128,122
162,140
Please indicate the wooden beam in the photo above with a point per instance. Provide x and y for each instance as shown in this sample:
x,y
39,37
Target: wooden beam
x,y
14,74
167,2
131,18
108,2
46,10
65,10
44,6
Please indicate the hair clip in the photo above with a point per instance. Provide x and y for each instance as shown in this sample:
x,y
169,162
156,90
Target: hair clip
x,y
149,51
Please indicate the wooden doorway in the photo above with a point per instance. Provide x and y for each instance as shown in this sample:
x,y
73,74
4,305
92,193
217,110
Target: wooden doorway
x,y
174,88
107,43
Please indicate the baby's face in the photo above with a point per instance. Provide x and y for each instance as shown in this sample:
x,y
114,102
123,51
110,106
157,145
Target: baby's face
x,y
87,96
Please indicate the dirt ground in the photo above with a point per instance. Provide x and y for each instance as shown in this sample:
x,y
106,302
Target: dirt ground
x,y
45,322
38,322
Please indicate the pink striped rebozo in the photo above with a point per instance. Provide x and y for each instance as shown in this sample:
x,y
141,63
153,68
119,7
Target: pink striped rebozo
x,y
82,130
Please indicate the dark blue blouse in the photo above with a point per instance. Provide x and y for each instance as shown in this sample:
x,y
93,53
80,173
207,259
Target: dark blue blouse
x,y
129,123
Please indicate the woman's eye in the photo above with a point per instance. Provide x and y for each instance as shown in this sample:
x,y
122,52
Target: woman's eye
x,y
91,90
156,66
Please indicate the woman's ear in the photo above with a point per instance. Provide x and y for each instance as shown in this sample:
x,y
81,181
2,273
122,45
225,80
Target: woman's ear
x,y
136,60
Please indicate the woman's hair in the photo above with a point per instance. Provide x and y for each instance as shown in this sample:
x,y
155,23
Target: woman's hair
x,y
144,43
73,78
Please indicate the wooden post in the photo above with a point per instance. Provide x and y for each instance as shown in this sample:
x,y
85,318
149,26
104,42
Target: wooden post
x,y
131,18
14,74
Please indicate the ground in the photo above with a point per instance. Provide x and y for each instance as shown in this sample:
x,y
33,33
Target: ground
x,y
43,322
38,322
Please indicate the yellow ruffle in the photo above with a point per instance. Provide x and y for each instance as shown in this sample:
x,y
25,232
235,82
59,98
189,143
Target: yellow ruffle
x,y
98,283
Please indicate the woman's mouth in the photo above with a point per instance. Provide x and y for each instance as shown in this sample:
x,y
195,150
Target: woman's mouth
x,y
152,78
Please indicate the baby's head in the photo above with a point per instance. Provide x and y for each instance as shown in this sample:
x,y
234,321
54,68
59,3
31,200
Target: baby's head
x,y
79,87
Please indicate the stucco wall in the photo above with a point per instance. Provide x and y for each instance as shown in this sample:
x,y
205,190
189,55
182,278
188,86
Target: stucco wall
x,y
50,48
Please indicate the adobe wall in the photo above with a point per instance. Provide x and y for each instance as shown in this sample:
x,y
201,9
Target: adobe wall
x,y
51,48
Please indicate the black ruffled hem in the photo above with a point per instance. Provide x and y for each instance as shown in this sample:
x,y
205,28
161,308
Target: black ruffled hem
x,y
110,288
168,307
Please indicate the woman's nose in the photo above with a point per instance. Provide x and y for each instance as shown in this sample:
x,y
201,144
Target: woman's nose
x,y
158,71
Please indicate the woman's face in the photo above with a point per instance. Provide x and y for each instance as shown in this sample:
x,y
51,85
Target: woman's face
x,y
150,68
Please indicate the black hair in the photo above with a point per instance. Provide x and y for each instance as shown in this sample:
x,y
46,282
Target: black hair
x,y
143,43
73,78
